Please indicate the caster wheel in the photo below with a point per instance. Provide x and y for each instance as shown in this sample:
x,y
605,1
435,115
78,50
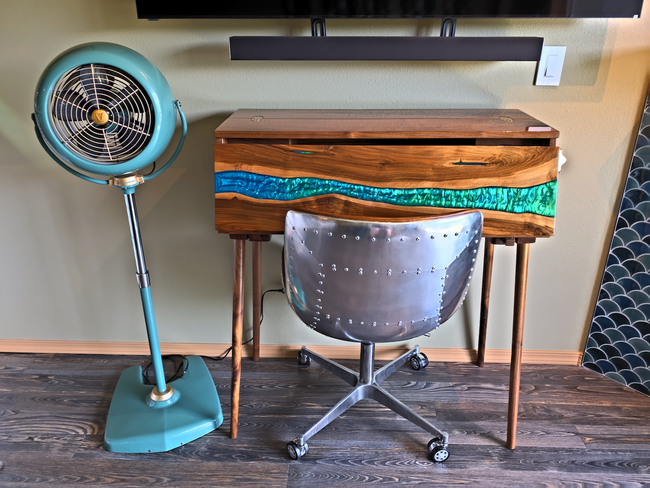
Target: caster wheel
x,y
439,454
419,361
433,443
295,451
303,359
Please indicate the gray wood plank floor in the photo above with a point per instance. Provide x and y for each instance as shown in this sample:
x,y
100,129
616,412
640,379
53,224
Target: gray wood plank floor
x,y
576,428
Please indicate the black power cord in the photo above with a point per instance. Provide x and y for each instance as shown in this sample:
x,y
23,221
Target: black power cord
x,y
182,367
180,370
224,355
153,168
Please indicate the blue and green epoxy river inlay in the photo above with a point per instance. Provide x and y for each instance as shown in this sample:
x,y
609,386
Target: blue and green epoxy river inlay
x,y
538,199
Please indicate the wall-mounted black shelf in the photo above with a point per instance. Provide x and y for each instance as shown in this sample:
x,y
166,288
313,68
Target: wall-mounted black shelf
x,y
370,48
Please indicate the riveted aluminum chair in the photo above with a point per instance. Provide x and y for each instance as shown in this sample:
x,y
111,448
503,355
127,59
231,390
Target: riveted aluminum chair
x,y
372,282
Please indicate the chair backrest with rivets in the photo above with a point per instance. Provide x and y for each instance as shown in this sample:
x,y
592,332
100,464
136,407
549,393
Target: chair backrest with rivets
x,y
378,281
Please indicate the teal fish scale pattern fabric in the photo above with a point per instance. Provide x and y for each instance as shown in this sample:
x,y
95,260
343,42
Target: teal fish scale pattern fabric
x,y
618,345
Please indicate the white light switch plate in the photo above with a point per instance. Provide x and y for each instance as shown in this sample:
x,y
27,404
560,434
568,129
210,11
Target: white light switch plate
x,y
549,68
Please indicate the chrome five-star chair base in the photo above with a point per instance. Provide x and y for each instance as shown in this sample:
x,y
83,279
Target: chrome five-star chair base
x,y
366,385
375,282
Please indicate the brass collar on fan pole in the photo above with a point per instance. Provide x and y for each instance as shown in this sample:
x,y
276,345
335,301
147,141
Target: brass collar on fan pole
x,y
122,181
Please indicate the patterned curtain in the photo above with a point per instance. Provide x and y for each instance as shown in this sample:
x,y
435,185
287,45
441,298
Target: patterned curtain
x,y
618,345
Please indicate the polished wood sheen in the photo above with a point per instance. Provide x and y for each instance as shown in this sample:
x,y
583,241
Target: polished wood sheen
x,y
257,297
521,279
238,213
430,166
440,149
576,428
445,149
383,124
237,327
488,259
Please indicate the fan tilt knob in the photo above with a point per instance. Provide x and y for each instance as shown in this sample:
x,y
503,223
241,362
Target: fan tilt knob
x,y
99,116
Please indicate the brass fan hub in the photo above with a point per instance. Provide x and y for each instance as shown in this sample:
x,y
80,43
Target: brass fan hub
x,y
99,116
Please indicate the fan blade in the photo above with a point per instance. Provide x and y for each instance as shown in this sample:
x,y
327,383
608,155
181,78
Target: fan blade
x,y
70,105
121,96
94,79
131,136
105,148
99,153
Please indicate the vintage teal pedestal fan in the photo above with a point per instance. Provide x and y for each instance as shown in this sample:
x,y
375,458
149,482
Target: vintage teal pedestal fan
x,y
103,110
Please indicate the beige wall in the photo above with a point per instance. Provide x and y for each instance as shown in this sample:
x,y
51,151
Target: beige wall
x,y
66,258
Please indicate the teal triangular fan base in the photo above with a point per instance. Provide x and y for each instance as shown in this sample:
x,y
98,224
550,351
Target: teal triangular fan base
x,y
135,427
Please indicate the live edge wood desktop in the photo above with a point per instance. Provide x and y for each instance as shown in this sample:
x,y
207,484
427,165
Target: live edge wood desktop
x,y
386,164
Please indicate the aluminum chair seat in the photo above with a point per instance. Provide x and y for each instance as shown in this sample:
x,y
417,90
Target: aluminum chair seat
x,y
378,282
374,282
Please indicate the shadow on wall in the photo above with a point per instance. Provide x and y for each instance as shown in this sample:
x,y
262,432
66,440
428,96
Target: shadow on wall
x,y
68,258
179,223
586,38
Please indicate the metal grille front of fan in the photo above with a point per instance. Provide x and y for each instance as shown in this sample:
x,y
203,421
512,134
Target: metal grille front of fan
x,y
101,113
105,109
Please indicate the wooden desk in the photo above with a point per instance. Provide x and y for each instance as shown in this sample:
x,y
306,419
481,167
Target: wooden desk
x,y
383,164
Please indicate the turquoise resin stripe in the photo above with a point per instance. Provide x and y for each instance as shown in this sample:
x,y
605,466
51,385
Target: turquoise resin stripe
x,y
539,199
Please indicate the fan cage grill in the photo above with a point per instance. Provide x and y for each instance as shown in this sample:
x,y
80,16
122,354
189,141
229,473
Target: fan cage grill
x,y
101,114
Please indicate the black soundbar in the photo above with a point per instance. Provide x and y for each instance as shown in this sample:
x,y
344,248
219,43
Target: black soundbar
x,y
330,48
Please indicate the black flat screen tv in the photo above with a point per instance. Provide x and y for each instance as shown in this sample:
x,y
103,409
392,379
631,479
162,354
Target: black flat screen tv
x,y
280,9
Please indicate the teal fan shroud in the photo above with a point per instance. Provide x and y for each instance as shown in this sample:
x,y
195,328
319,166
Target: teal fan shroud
x,y
539,199
85,93
104,109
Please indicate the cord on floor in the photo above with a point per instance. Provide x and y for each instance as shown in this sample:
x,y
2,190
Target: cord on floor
x,y
184,363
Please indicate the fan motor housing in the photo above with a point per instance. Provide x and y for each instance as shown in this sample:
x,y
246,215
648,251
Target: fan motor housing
x,y
134,65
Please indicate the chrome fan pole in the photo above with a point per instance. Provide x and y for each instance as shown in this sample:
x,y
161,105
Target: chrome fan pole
x,y
146,418
161,390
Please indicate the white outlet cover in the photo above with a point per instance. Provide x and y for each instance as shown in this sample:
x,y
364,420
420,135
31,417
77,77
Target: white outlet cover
x,y
549,68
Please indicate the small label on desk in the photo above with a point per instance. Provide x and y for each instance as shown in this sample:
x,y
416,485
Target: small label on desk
x,y
544,128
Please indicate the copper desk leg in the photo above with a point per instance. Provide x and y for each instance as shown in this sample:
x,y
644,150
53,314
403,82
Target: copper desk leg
x,y
485,300
257,297
521,277
237,327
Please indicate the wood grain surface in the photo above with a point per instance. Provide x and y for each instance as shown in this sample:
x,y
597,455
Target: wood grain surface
x,y
237,330
237,214
575,428
388,124
441,149
448,167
